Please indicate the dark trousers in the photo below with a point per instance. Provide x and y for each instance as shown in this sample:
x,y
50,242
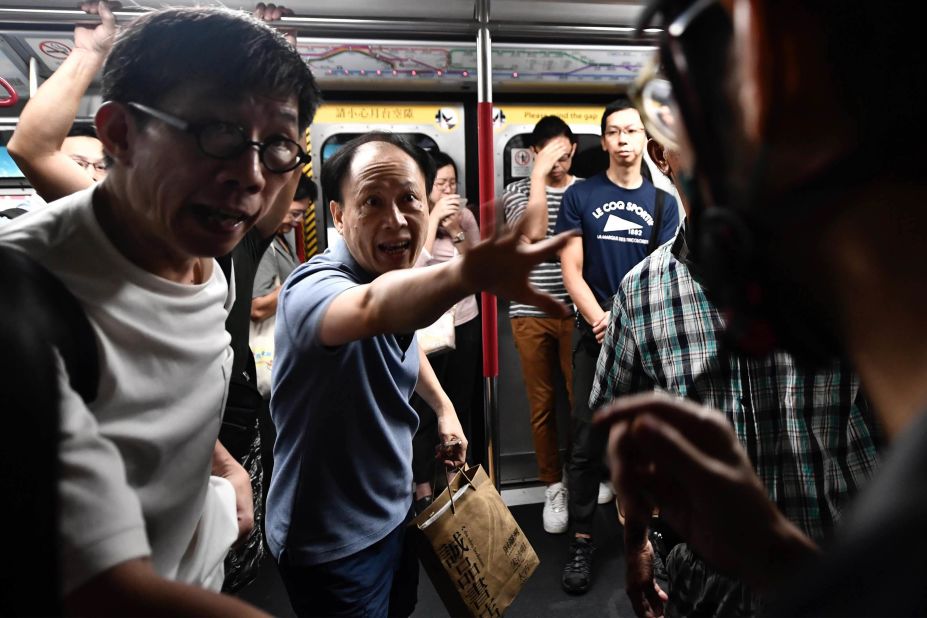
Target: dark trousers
x,y
585,469
376,582
458,371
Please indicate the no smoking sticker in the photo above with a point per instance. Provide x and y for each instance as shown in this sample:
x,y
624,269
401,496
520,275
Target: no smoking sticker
x,y
55,49
522,158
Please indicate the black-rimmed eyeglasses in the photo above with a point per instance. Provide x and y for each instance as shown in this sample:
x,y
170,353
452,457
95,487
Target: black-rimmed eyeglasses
x,y
223,140
95,166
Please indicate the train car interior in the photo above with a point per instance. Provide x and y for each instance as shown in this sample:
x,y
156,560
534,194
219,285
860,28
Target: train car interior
x,y
422,68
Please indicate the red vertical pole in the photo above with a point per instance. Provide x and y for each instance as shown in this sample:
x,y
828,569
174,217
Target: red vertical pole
x,y
487,225
485,139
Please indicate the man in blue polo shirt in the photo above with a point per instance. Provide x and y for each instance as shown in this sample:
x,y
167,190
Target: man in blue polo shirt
x,y
345,367
617,215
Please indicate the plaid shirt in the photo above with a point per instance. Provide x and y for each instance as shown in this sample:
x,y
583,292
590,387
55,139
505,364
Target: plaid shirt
x,y
808,433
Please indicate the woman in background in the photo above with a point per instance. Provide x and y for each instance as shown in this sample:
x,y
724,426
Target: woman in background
x,y
452,230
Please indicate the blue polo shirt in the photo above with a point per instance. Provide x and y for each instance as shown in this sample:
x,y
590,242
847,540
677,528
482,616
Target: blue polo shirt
x,y
343,456
616,225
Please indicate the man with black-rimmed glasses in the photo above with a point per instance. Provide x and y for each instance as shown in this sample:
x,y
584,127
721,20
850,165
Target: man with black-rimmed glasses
x,y
618,217
202,116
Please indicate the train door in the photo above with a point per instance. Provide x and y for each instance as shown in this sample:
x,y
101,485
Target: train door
x,y
513,160
432,126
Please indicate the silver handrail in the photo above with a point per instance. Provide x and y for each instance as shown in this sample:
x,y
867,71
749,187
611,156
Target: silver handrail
x,y
462,29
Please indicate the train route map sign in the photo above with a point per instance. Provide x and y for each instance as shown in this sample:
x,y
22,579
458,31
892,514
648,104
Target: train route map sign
x,y
512,64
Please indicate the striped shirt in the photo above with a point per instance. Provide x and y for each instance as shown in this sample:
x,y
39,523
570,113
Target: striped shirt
x,y
546,276
809,433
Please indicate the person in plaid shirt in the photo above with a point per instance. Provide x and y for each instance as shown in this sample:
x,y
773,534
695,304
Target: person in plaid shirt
x,y
808,433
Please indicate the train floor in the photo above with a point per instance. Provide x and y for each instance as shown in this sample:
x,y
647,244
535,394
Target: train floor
x,y
541,595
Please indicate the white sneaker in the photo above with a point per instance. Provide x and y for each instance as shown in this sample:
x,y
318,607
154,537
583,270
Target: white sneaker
x,y
555,512
606,493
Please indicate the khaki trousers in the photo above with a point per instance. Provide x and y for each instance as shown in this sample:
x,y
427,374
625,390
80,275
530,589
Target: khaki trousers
x,y
543,344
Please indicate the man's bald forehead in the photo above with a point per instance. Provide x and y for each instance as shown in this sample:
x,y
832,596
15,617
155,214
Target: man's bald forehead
x,y
374,160
339,169
371,151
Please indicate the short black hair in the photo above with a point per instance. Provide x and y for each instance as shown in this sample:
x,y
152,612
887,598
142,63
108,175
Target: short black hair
x,y
548,128
306,190
615,106
442,159
168,51
335,169
82,130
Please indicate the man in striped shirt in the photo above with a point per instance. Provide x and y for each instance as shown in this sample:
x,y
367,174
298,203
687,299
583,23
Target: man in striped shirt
x,y
544,342
808,433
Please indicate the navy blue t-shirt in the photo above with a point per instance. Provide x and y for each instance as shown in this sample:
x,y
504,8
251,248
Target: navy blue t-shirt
x,y
343,456
616,225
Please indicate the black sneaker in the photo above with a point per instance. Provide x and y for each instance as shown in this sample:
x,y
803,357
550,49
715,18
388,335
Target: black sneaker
x,y
578,570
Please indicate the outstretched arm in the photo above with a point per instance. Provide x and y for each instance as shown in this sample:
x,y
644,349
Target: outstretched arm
x,y
402,301
47,118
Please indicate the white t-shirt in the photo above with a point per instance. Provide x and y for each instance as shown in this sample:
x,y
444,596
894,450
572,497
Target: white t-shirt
x,y
135,464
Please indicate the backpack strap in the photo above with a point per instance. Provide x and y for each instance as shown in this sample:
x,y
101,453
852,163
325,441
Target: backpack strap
x,y
225,263
61,316
652,244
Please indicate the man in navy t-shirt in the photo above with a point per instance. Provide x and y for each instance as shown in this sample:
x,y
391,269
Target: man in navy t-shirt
x,y
346,364
616,215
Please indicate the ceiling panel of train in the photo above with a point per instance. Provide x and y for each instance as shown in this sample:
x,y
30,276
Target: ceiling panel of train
x,y
425,45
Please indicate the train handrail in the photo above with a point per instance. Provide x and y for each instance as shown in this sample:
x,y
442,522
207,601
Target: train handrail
x,y
13,97
448,29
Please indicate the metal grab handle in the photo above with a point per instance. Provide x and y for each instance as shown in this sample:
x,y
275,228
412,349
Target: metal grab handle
x,y
11,100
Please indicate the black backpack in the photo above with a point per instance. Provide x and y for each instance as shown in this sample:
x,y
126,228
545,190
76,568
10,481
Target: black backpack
x,y
37,316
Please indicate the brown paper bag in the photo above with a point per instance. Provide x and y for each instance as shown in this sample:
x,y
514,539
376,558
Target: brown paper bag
x,y
475,554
